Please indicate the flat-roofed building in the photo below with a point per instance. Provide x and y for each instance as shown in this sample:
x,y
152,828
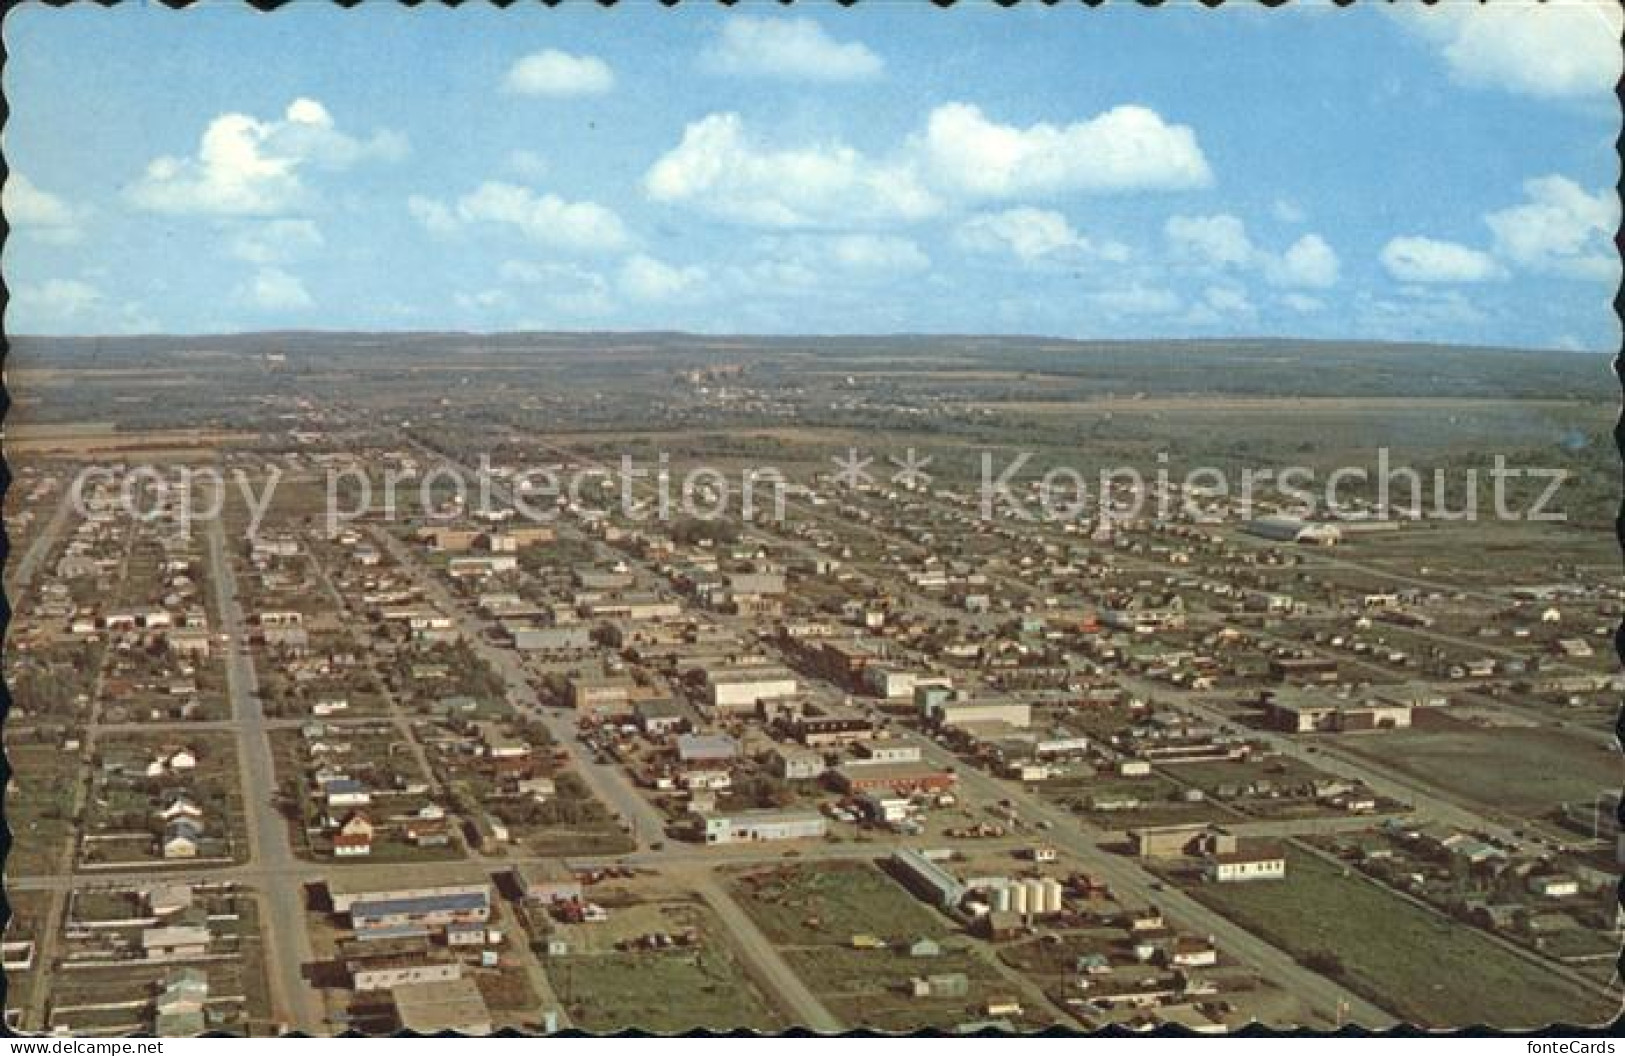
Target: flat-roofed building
x,y
822,731
744,689
546,882
346,890
1016,713
706,747
901,778
755,826
398,969
601,695
1308,713
552,639
797,764
432,911
1248,861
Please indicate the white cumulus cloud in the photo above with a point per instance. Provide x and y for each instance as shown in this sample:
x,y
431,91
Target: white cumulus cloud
x,y
1030,235
1559,228
276,290
72,306
787,48
877,253
960,155
1126,148
1417,259
52,302
644,278
1546,50
1307,262
543,218
559,75
246,166
1221,241
32,211
720,169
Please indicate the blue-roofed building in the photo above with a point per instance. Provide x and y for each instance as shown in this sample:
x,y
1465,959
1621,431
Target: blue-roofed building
x,y
433,911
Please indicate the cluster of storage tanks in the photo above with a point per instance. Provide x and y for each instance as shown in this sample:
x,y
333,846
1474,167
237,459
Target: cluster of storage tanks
x,y
1029,895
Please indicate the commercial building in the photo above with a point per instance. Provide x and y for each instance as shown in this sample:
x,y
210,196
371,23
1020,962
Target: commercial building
x,y
346,893
901,778
824,731
568,638
430,911
601,695
952,713
706,748
546,882
743,689
392,970
1303,713
796,764
1249,861
928,879
763,825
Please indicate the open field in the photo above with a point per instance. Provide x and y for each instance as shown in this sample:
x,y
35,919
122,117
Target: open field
x,y
40,807
700,986
828,904
869,989
1400,955
1528,772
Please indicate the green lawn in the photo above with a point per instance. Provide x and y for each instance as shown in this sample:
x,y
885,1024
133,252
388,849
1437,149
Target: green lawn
x,y
1423,967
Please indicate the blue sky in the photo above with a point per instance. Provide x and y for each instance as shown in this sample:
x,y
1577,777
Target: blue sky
x,y
1124,172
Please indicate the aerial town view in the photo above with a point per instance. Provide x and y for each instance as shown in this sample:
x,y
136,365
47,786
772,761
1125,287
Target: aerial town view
x,y
782,522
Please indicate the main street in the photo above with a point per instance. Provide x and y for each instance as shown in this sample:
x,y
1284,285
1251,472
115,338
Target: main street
x,y
283,933
609,783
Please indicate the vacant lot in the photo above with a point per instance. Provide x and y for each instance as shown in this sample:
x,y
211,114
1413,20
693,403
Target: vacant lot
x,y
810,905
1399,955
1525,771
869,989
40,808
669,991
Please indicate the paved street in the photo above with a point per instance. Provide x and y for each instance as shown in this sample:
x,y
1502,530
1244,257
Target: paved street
x,y
283,932
763,961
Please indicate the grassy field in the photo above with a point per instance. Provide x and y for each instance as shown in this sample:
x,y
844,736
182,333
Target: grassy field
x,y
1526,771
828,904
1423,967
40,808
666,991
869,989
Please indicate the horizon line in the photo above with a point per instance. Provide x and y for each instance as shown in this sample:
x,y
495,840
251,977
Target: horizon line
x,y
915,335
